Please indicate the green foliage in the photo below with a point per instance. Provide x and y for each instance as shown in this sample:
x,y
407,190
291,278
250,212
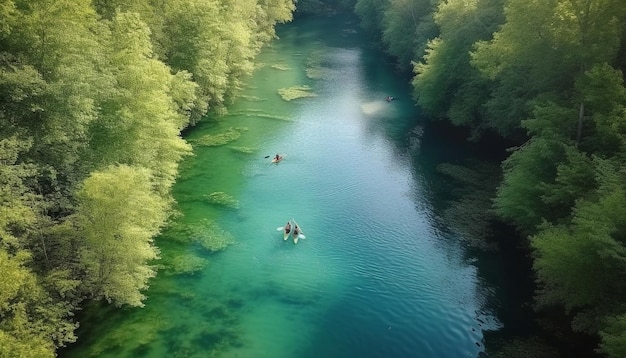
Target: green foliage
x,y
404,17
17,203
93,96
371,13
539,50
575,175
217,41
140,123
31,323
525,172
604,96
118,215
313,7
445,83
614,337
580,264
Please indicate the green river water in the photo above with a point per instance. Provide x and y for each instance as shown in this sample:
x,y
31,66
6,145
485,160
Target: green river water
x,y
379,274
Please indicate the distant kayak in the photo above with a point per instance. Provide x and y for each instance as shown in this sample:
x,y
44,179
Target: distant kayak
x,y
276,160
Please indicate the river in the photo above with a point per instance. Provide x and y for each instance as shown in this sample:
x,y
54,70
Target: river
x,y
379,272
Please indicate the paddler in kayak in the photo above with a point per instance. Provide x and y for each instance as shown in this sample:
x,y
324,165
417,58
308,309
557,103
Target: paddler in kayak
x,y
277,157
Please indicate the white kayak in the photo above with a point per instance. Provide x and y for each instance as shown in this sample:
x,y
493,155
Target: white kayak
x,y
297,232
287,230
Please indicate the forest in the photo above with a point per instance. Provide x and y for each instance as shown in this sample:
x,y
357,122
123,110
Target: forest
x,y
94,95
546,75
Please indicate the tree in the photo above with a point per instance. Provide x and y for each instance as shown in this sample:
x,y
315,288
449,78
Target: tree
x,y
403,17
446,84
371,13
540,50
118,215
601,90
216,41
526,172
31,323
140,122
581,264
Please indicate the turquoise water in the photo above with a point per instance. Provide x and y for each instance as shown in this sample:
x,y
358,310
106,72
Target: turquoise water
x,y
379,274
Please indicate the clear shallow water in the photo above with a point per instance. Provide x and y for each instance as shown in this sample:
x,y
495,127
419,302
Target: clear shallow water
x,y
378,275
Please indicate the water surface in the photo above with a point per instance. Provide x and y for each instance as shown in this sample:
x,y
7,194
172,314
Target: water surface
x,y
379,273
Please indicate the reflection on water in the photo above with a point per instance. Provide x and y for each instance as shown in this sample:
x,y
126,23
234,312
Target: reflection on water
x,y
378,275
372,108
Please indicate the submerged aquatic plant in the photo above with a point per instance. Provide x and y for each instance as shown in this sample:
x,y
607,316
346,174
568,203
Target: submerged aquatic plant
x,y
260,113
273,116
244,150
315,73
204,232
213,238
525,347
215,140
134,334
296,92
468,208
314,67
185,264
280,67
223,199
250,98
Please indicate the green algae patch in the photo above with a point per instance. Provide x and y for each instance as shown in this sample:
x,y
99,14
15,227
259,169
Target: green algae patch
x,y
250,98
216,140
272,116
213,238
281,67
243,150
315,73
258,113
204,232
314,65
222,199
295,92
185,264
144,330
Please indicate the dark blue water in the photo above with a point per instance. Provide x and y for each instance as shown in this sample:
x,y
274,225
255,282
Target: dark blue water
x,y
379,273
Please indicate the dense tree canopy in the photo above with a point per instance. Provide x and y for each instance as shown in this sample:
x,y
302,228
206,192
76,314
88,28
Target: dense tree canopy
x,y
93,97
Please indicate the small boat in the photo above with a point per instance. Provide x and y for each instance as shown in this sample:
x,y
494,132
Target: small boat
x,y
276,160
287,230
297,232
